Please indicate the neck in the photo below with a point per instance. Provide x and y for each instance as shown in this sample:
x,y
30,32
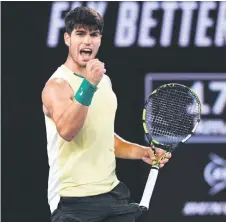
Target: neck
x,y
74,67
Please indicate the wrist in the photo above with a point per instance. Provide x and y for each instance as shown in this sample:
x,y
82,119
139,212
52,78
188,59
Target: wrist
x,y
92,82
85,93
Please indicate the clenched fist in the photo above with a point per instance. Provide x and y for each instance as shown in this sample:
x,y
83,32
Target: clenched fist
x,y
94,71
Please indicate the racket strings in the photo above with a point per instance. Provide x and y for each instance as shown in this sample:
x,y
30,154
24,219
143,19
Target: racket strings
x,y
171,114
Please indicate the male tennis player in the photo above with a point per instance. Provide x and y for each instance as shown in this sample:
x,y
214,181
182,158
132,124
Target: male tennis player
x,y
79,107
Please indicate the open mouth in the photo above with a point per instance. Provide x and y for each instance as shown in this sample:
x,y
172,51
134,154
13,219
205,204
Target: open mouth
x,y
85,52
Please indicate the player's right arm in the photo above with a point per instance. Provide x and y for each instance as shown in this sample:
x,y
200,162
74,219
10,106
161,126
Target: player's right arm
x,y
58,101
58,104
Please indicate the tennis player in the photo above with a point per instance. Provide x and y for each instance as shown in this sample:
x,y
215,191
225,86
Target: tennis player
x,y
79,107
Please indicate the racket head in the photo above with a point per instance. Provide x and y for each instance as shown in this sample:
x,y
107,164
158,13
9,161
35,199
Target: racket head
x,y
171,115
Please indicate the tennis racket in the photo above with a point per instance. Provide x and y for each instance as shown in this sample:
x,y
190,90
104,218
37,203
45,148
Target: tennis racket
x,y
170,116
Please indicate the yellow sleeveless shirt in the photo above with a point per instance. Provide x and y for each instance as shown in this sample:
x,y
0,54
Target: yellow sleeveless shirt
x,y
86,165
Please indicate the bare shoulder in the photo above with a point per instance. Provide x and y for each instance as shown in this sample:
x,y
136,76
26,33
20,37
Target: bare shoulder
x,y
56,90
56,86
57,83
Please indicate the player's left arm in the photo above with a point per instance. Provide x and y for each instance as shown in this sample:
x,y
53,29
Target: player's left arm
x,y
128,150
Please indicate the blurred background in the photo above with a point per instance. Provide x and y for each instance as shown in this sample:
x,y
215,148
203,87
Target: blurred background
x,y
145,44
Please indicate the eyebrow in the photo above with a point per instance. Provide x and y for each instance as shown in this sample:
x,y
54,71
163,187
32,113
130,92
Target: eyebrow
x,y
95,31
91,32
80,31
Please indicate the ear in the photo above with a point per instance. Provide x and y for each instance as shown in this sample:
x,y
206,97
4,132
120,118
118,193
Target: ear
x,y
67,38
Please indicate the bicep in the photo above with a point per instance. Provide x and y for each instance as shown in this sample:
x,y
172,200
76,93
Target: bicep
x,y
57,96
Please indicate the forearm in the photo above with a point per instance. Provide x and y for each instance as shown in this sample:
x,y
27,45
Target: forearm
x,y
72,120
127,150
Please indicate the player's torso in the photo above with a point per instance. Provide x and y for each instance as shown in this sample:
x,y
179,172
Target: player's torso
x,y
86,165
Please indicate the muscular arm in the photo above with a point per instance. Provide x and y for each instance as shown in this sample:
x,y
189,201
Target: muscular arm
x,y
58,104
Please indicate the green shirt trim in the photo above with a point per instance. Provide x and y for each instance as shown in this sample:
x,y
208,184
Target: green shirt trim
x,y
78,75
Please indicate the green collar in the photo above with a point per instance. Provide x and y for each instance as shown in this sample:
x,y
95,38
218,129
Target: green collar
x,y
78,75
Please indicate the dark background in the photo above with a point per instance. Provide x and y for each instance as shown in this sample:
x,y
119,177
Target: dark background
x,y
27,63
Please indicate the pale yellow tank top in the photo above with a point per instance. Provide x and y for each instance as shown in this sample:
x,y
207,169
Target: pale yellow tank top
x,y
86,165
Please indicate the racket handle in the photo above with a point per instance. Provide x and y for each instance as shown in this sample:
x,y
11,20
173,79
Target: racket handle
x,y
149,187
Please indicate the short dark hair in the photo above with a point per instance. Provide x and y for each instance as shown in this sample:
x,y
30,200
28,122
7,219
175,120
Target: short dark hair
x,y
83,16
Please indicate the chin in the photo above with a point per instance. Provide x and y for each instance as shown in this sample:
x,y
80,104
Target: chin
x,y
82,65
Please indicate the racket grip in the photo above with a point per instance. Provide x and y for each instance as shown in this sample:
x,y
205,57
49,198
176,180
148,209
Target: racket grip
x,y
149,187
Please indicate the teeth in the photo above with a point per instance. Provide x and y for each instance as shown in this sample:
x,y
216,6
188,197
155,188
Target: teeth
x,y
86,50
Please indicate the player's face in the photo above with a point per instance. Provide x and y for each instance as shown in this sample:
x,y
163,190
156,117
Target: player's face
x,y
83,45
